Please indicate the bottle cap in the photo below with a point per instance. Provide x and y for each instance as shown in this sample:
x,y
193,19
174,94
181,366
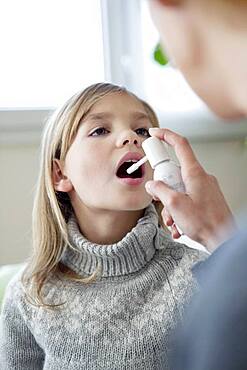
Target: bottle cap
x,y
155,150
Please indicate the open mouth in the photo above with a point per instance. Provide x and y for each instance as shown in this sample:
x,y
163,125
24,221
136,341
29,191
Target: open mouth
x,y
122,171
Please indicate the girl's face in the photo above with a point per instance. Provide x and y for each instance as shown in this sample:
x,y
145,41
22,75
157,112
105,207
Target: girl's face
x,y
115,126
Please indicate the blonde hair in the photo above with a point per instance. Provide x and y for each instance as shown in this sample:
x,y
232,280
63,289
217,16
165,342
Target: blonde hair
x,y
52,208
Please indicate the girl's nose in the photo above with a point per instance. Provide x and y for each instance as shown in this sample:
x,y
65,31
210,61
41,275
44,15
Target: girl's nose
x,y
128,138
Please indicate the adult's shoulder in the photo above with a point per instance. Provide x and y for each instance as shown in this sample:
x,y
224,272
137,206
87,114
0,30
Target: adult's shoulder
x,y
217,317
230,256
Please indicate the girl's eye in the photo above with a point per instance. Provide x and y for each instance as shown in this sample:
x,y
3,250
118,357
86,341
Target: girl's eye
x,y
99,131
143,131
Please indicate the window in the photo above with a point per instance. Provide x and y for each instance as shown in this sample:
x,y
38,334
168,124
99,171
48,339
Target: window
x,y
165,86
131,37
178,107
52,48
49,50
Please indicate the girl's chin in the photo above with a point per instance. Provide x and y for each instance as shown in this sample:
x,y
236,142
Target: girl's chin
x,y
134,204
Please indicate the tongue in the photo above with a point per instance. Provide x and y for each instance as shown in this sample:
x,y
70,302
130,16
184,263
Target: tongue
x,y
122,171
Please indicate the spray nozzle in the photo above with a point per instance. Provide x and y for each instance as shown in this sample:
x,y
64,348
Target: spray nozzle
x,y
155,151
136,165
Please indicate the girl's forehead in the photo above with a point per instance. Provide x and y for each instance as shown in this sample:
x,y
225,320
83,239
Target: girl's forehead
x,y
114,106
116,101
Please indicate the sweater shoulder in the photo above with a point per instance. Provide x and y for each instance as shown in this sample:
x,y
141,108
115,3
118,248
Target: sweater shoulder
x,y
14,291
13,301
17,298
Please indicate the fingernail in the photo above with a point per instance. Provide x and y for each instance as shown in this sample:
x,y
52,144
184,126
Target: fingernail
x,y
153,129
149,187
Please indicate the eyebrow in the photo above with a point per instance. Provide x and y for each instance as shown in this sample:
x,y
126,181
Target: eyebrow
x,y
140,115
98,116
107,115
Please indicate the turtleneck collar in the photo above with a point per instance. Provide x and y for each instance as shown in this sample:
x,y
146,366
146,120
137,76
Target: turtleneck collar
x,y
126,256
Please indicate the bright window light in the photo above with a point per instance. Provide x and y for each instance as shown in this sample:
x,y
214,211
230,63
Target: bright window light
x,y
165,87
49,50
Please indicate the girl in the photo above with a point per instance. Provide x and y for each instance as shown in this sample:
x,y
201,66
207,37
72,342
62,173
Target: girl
x,y
105,284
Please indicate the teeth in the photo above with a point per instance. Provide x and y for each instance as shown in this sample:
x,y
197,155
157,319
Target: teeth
x,y
132,160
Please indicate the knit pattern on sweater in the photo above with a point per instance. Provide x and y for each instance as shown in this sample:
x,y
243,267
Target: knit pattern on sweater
x,y
123,320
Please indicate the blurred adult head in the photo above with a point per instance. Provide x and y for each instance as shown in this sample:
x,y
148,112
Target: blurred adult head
x,y
206,40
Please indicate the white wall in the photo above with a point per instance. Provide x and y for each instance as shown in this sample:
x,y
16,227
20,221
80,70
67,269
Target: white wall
x,y
19,169
228,161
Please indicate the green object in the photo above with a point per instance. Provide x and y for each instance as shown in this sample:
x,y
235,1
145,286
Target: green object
x,y
6,274
159,55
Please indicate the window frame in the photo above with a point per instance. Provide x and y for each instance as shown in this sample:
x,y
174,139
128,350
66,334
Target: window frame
x,y
123,66
197,125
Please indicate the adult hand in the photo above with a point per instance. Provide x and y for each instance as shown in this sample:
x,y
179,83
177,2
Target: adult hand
x,y
202,213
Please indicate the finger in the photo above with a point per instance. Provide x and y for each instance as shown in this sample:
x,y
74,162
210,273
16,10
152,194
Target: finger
x,y
166,195
174,201
167,218
156,198
157,132
180,144
175,233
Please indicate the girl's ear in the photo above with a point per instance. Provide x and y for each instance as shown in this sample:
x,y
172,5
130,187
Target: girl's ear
x,y
60,182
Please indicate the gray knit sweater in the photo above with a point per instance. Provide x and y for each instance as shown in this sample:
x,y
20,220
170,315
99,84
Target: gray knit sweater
x,y
121,321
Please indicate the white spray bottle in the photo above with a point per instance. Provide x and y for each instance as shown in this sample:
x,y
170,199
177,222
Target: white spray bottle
x,y
164,168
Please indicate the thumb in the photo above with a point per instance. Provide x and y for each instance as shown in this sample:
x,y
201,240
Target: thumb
x,y
160,190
